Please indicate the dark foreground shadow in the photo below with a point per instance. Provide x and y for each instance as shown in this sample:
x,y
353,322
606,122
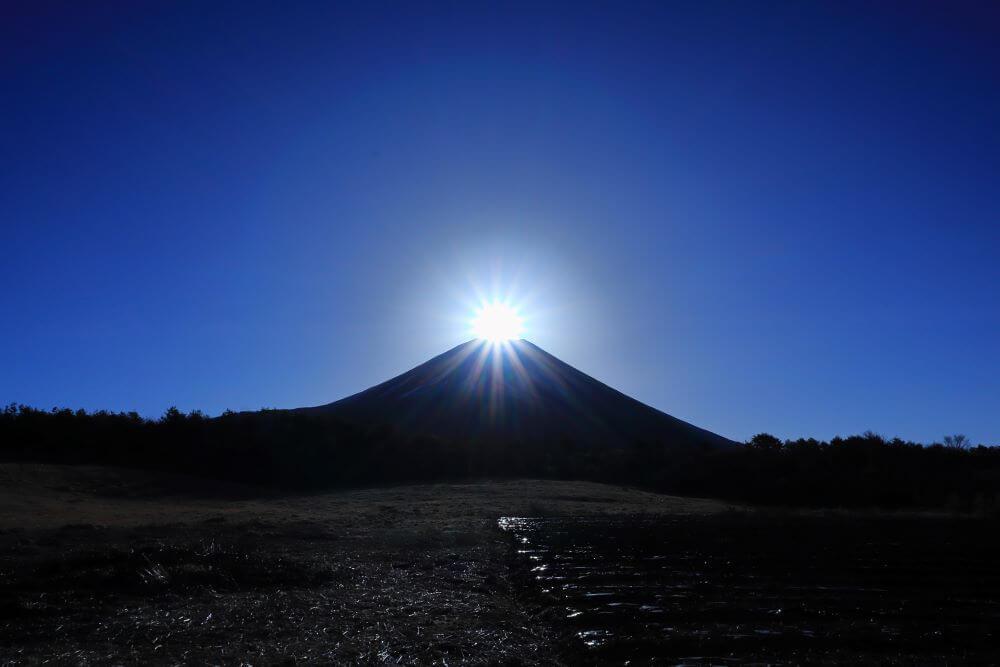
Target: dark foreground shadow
x,y
766,588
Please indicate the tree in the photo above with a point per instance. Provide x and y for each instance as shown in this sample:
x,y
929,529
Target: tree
x,y
765,441
172,415
957,441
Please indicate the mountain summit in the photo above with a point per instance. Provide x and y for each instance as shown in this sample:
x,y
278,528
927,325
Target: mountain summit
x,y
513,392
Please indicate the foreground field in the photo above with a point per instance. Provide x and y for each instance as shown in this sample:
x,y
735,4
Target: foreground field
x,y
103,565
100,566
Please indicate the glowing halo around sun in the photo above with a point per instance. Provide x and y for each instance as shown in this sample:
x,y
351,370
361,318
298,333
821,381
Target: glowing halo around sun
x,y
497,322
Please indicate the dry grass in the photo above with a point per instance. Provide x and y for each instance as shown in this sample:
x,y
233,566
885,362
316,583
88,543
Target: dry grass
x,y
49,496
99,565
110,566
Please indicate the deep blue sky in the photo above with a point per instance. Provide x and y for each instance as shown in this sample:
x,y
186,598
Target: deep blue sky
x,y
780,217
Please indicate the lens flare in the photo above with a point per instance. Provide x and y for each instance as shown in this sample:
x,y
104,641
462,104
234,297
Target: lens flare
x,y
497,322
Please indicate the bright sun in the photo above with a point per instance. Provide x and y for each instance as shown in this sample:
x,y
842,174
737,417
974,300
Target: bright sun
x,y
497,322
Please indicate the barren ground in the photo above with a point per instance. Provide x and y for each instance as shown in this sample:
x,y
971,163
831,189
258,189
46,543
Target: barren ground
x,y
111,566
101,565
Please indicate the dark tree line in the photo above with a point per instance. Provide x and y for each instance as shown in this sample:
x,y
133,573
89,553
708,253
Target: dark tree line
x,y
295,450
858,471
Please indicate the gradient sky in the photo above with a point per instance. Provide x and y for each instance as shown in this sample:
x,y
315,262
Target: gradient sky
x,y
773,217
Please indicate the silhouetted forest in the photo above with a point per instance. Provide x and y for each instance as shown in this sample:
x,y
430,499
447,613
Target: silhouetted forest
x,y
302,451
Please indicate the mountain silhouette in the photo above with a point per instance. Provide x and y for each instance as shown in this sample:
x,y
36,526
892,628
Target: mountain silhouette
x,y
513,392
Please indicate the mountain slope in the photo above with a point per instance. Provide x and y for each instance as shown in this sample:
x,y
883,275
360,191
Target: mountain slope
x,y
514,392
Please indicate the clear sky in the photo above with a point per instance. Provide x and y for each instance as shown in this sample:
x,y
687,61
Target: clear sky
x,y
768,216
